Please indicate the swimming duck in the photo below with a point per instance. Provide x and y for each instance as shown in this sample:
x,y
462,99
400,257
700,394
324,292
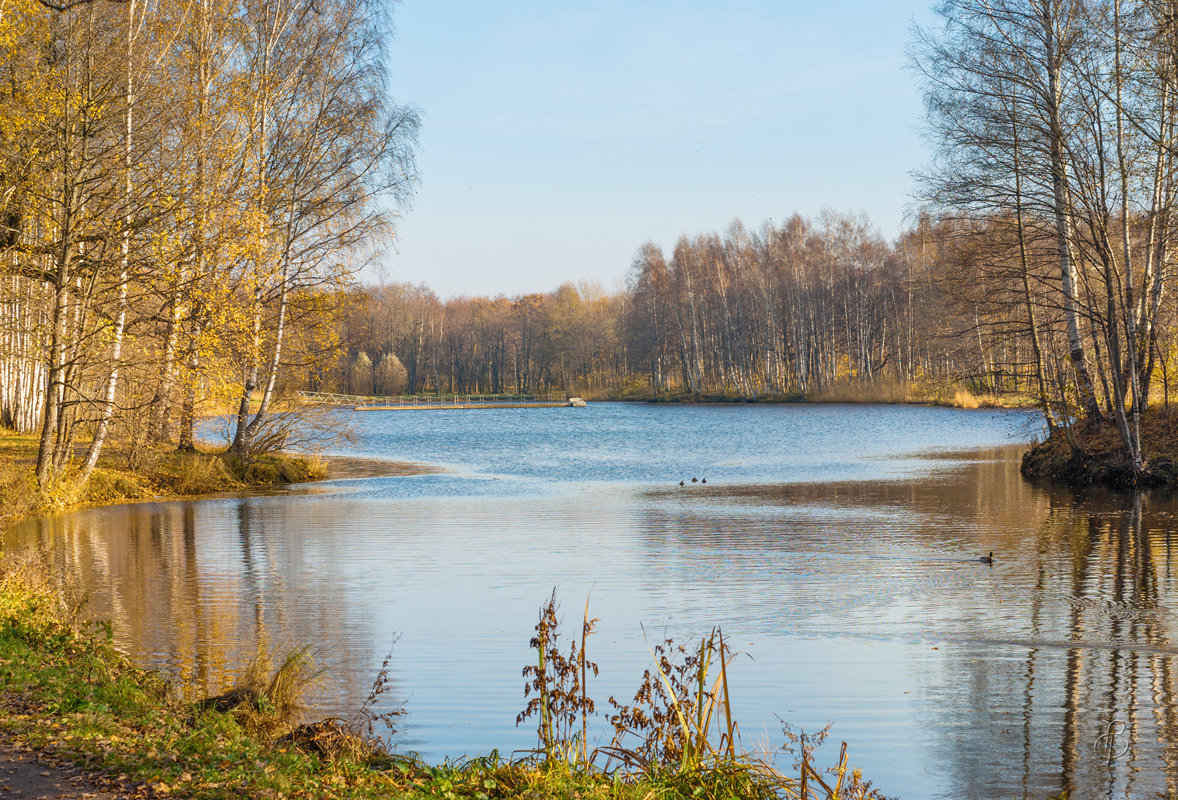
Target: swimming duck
x,y
705,480
695,480
987,559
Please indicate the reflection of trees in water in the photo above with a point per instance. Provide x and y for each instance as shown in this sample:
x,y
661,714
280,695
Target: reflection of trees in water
x,y
985,494
1071,662
194,587
1097,669
1013,704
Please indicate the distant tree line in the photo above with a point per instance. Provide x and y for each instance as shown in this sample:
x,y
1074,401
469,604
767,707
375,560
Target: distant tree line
x,y
401,338
792,309
1040,264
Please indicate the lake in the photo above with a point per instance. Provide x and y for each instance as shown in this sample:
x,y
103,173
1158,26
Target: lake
x,y
837,547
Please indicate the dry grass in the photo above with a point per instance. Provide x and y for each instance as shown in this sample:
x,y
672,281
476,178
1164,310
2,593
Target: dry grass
x,y
159,473
200,473
18,493
964,398
269,697
333,740
955,395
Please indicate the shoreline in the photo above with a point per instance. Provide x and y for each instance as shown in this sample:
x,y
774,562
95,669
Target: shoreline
x,y
866,393
345,467
350,468
789,400
1094,456
173,477
1050,462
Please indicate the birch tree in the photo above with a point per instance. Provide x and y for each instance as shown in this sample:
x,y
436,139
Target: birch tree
x,y
330,146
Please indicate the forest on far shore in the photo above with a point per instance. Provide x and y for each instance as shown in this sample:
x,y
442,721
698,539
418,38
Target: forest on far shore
x,y
779,311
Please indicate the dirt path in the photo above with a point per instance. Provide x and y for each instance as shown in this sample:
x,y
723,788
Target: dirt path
x,y
27,775
23,776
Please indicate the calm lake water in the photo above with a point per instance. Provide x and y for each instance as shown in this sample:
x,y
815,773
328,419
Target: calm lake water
x,y
837,546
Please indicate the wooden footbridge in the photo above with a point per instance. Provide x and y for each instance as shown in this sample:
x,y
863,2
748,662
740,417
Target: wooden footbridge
x,y
426,402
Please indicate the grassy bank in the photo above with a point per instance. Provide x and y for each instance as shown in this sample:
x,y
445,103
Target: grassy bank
x,y
66,693
1093,454
157,474
853,392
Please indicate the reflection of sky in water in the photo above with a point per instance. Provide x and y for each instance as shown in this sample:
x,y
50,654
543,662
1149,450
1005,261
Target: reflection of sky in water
x,y
852,587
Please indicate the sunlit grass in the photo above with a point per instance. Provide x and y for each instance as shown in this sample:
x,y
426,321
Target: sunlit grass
x,y
164,474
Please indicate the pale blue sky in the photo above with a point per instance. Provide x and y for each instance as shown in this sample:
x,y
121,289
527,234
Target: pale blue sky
x,y
557,137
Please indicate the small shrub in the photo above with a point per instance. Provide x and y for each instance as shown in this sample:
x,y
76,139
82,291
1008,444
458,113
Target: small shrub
x,y
202,473
670,721
269,698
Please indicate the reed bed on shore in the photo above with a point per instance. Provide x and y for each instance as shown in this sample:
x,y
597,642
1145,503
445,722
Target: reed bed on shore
x,y
955,395
853,392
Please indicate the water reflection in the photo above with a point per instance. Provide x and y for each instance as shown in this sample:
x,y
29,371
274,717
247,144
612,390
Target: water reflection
x,y
861,602
1073,681
195,588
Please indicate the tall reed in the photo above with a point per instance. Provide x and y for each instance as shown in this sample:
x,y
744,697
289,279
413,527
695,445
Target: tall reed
x,y
557,687
679,727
